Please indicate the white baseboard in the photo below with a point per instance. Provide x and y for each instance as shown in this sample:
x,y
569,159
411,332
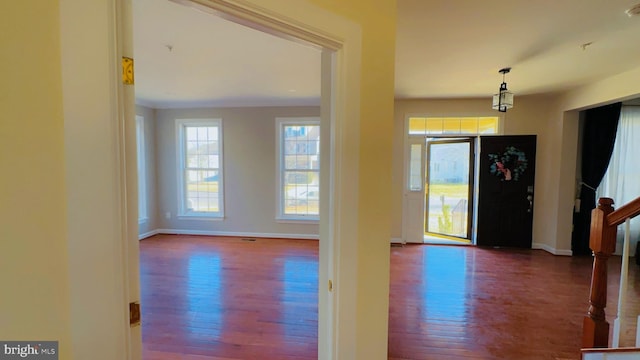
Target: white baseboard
x,y
239,234
397,241
147,234
551,250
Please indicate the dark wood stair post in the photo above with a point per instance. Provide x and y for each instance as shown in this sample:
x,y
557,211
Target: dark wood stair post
x,y
602,242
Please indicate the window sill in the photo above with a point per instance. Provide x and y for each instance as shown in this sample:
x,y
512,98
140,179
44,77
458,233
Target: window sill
x,y
200,217
284,220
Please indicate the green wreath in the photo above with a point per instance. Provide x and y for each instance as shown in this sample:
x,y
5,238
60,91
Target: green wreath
x,y
509,165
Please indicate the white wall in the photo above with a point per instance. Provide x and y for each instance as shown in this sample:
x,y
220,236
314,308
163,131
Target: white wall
x,y
249,172
35,301
153,214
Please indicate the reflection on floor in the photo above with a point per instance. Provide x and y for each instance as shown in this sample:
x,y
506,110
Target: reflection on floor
x,y
454,302
444,240
209,298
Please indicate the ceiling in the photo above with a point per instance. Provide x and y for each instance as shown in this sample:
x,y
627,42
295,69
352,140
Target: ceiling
x,y
444,49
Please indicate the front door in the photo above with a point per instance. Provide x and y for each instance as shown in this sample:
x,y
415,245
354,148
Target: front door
x,y
449,187
506,189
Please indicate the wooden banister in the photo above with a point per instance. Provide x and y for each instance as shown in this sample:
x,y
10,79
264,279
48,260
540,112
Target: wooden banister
x,y
595,328
602,241
626,211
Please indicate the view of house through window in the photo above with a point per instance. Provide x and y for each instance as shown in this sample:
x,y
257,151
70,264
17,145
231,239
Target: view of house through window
x,y
299,168
200,163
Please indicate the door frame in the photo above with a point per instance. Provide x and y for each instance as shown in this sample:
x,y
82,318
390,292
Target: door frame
x,y
471,140
409,213
338,68
413,215
407,236
105,103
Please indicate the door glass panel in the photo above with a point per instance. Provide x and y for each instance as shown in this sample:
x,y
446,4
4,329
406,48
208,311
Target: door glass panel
x,y
448,190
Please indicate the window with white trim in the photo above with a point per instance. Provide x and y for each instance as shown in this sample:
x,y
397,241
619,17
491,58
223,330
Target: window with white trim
x,y
142,170
298,157
200,176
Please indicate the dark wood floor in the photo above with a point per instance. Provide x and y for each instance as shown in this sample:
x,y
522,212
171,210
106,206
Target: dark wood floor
x,y
209,298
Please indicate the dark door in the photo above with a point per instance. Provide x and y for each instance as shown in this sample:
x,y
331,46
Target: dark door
x,y
506,190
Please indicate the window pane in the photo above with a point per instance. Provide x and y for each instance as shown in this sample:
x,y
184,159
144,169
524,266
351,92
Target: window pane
x,y
202,191
290,147
201,162
469,126
314,162
192,147
301,193
434,126
451,126
213,161
212,133
415,168
300,163
417,126
296,177
202,134
488,125
191,134
192,161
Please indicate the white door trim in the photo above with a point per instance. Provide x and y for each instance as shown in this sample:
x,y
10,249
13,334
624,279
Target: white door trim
x,y
413,200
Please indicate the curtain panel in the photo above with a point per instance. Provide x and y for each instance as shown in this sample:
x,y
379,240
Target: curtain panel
x,y
600,126
620,182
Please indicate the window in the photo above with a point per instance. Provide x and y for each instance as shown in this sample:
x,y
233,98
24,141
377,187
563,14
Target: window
x,y
620,182
415,168
453,125
142,171
299,168
200,180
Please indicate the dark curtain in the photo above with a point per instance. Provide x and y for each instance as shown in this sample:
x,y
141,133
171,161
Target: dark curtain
x,y
599,135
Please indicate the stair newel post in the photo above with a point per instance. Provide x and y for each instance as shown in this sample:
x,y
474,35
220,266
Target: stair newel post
x,y
602,242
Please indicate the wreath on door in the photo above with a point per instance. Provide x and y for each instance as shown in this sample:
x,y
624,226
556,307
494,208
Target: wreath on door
x,y
509,165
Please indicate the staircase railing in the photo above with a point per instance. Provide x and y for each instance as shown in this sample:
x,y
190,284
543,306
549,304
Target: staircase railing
x,y
602,241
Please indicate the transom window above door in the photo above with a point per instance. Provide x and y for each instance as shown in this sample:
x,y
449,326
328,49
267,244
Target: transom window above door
x,y
453,125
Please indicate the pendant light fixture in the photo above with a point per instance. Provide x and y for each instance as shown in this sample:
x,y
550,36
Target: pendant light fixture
x,y
503,100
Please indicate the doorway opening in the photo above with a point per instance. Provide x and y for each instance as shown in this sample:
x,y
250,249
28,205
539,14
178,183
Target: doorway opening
x,y
336,89
449,190
442,189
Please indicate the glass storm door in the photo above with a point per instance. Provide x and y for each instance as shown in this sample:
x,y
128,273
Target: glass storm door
x,y
449,187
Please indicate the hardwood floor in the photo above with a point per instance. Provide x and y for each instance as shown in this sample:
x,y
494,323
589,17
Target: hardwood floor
x,y
211,298
225,298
